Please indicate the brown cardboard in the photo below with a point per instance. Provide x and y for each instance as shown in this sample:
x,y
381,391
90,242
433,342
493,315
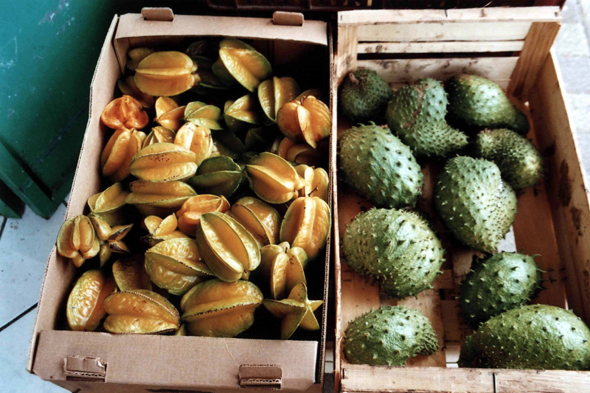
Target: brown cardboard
x,y
140,363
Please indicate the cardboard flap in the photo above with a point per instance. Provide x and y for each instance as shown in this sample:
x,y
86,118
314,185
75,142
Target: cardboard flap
x,y
260,376
288,18
163,14
134,25
174,361
85,368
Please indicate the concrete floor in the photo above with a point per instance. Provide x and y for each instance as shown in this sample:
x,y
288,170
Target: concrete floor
x,y
25,243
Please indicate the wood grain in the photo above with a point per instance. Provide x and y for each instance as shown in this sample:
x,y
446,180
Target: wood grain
x,y
535,51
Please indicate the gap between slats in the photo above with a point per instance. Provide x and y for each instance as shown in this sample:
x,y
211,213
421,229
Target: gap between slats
x,y
440,47
498,69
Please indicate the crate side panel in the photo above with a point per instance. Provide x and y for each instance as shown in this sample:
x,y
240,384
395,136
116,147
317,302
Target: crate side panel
x,y
534,234
517,381
567,188
363,378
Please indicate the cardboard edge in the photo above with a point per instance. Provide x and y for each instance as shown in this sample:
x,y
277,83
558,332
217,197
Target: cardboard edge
x,y
134,25
330,242
232,352
36,330
336,238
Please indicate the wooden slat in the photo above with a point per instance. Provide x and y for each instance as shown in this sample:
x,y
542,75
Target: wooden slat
x,y
455,328
441,31
346,52
567,187
362,378
532,57
440,47
532,14
519,381
359,293
534,211
407,70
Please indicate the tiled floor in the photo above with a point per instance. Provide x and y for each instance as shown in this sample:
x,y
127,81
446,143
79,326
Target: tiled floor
x,y
25,243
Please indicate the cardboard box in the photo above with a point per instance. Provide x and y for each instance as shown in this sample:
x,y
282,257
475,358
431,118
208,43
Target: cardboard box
x,y
102,362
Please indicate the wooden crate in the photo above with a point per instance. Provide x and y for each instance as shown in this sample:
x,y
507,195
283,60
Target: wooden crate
x,y
513,48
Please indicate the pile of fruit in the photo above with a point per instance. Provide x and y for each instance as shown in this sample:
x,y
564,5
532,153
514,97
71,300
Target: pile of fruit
x,y
232,199
479,137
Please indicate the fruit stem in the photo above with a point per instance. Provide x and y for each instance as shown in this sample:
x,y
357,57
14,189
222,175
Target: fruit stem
x,y
353,78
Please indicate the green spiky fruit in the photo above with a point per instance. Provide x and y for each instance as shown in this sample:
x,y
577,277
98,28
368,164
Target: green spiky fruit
x,y
396,246
518,159
379,167
389,336
474,202
476,103
499,283
416,114
364,96
531,337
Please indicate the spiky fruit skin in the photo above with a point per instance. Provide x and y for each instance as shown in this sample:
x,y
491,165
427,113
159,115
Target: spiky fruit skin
x,y
379,167
475,204
531,337
518,159
389,336
476,103
497,284
364,96
416,114
396,246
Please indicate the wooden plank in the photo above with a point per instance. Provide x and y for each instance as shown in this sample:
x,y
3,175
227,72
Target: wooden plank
x,y
445,280
408,70
518,381
566,185
442,31
534,211
360,17
359,293
532,14
362,378
441,47
455,328
346,52
532,57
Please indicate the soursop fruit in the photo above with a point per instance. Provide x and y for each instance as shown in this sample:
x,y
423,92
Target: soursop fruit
x,y
476,103
396,246
518,159
416,114
475,204
534,337
364,96
499,283
379,167
389,336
